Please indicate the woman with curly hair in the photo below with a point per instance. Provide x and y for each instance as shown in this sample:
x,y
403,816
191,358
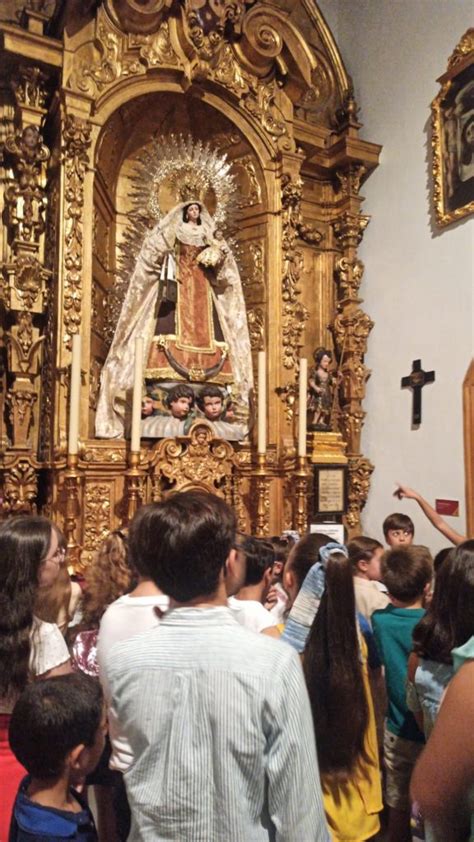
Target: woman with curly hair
x,y
108,577
29,647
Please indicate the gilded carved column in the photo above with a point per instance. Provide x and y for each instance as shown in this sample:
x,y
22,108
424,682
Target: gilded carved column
x,y
76,143
25,207
294,314
351,328
74,163
25,290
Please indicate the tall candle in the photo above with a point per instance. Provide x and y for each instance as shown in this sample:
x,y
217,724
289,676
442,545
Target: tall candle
x,y
74,396
262,403
302,407
137,395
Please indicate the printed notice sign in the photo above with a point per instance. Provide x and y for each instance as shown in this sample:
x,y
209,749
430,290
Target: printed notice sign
x,y
330,490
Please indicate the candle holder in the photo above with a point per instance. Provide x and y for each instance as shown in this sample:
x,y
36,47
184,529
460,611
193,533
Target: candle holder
x,y
301,494
71,484
263,503
133,484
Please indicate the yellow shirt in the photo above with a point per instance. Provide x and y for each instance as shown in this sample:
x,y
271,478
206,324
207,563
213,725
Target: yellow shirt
x,y
352,808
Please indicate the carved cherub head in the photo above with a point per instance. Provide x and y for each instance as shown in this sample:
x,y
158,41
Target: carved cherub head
x,y
210,402
30,139
180,400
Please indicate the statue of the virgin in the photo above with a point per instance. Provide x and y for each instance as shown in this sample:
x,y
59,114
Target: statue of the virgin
x,y
185,299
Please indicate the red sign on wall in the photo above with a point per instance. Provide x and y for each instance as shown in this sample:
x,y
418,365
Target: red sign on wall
x,y
447,507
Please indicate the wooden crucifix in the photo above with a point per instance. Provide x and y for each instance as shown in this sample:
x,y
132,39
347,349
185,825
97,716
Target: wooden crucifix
x,y
415,381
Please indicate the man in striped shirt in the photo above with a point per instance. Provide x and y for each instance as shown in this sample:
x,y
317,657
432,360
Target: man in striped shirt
x,y
217,717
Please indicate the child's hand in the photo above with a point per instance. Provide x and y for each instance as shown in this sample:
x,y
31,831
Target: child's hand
x,y
404,491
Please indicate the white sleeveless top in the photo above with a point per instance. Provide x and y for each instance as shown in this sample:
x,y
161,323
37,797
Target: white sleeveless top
x,y
48,650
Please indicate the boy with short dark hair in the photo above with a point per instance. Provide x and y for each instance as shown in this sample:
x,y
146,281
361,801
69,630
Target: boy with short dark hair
x,y
57,733
406,573
398,530
247,605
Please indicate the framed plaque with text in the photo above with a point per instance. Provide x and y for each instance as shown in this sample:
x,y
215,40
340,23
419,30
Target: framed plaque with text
x,y
330,496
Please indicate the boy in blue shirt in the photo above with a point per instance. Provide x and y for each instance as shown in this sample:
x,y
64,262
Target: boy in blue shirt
x,y
406,573
57,733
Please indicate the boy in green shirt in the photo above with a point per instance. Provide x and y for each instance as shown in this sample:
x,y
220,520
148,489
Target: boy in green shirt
x,y
406,573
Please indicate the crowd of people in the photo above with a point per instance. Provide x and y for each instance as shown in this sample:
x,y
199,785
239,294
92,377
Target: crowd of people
x,y
202,685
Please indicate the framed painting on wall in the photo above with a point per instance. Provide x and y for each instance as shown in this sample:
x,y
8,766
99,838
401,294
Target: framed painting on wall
x,y
453,136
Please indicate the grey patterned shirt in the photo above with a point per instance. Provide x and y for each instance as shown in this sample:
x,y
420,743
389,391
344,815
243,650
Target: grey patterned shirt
x,y
220,727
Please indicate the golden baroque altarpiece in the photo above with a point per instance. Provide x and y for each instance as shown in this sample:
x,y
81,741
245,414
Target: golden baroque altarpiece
x,y
84,88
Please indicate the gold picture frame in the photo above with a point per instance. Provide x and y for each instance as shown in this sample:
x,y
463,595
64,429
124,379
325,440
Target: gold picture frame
x,y
453,136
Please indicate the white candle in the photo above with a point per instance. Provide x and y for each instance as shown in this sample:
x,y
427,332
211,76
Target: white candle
x,y
137,395
74,396
302,407
262,403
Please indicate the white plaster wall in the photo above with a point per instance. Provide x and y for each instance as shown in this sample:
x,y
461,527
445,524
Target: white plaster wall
x,y
418,282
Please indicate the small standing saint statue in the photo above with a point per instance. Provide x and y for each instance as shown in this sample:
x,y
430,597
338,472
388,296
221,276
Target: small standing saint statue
x,y
322,384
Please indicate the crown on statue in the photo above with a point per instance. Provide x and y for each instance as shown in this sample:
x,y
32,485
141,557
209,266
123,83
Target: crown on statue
x,y
193,189
192,170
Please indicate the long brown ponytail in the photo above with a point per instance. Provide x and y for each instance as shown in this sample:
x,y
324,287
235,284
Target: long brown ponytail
x,y
333,672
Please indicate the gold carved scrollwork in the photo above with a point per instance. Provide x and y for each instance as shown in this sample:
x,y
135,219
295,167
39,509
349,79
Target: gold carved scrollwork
x,y
205,24
261,501
28,279
250,192
288,394
463,49
115,55
24,332
360,470
76,142
351,326
97,514
294,313
351,331
350,179
318,101
156,50
349,273
349,229
260,102
107,67
253,277
263,43
107,455
20,488
137,16
25,195
200,461
256,322
94,384
229,74
237,503
20,405
29,87
23,345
